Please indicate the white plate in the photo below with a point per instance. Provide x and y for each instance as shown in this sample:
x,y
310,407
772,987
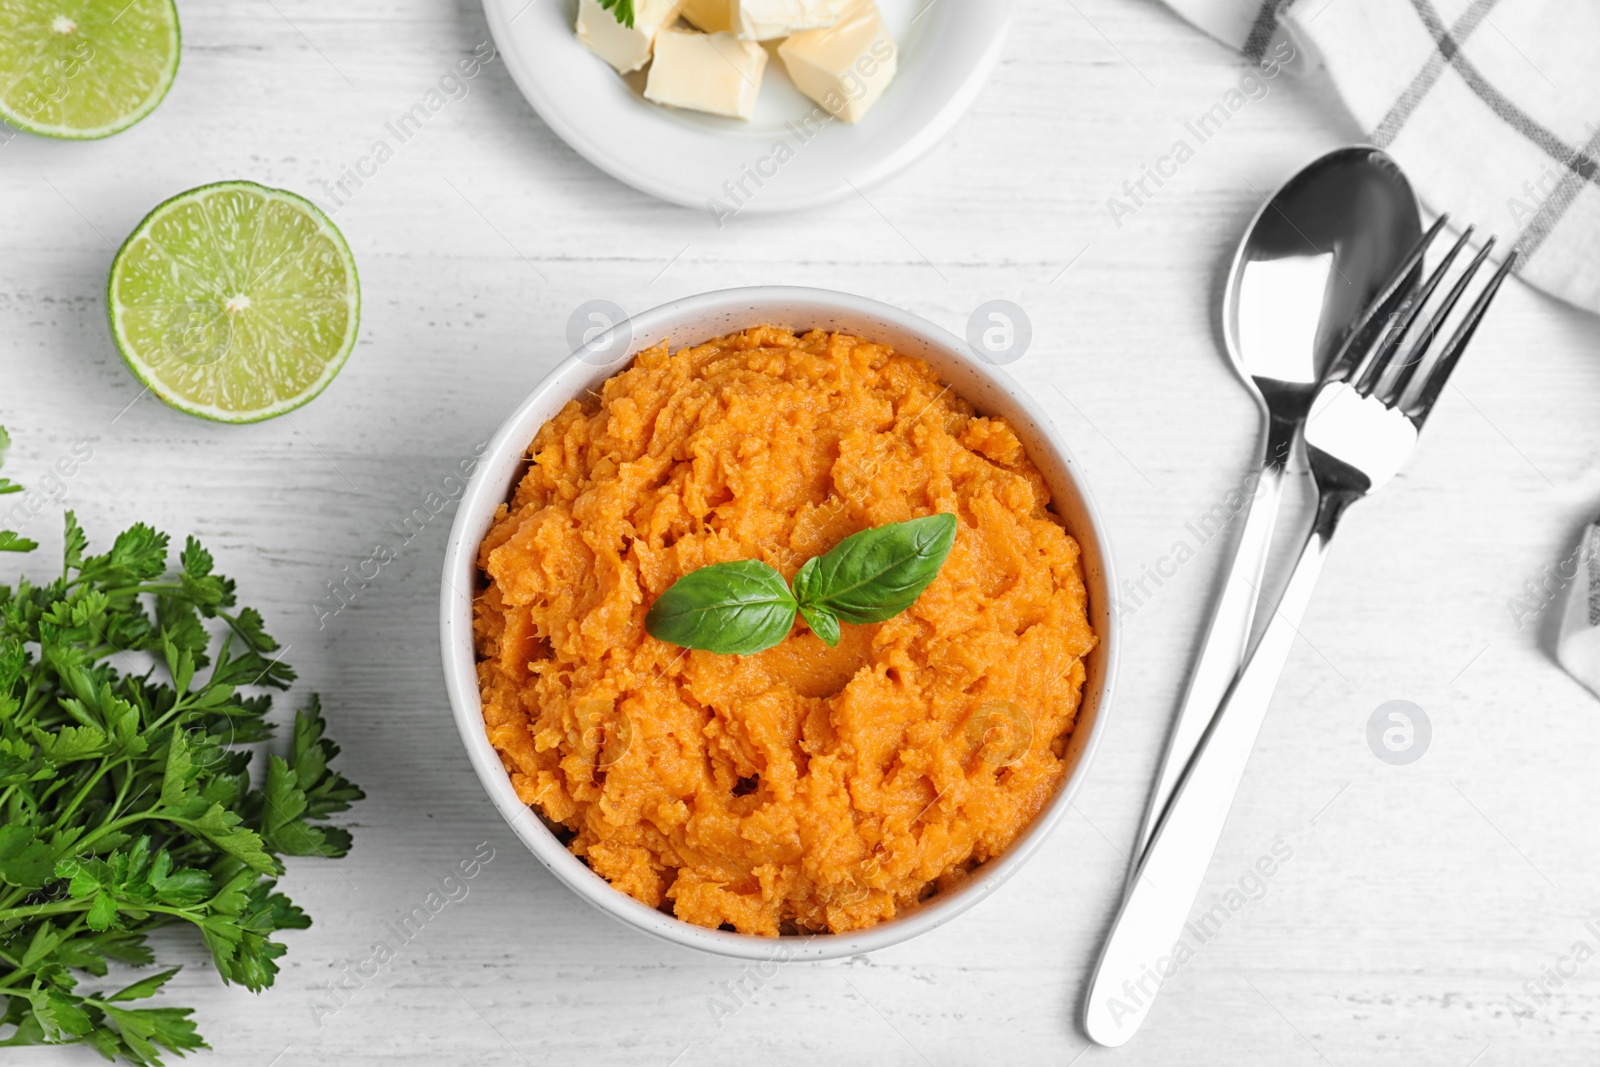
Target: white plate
x,y
947,49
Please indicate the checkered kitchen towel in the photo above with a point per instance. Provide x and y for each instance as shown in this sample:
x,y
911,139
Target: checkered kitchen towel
x,y
1491,106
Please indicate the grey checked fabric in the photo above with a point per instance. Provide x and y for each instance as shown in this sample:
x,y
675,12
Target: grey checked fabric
x,y
1491,106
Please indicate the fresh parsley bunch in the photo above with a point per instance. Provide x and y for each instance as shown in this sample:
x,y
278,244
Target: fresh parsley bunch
x,y
124,803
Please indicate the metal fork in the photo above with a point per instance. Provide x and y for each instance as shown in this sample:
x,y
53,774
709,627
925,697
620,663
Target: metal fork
x,y
1362,428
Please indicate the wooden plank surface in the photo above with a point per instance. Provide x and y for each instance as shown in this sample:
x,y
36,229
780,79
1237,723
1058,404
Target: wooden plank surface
x,y
1417,900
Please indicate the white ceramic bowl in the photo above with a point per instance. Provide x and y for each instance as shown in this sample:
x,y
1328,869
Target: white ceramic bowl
x,y
691,321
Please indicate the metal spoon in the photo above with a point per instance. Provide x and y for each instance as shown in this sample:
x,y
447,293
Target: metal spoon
x,y
1314,256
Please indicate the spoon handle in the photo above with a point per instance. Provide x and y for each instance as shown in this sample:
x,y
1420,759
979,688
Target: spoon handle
x,y
1226,641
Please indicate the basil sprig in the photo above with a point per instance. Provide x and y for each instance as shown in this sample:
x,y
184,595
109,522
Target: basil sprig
x,y
745,606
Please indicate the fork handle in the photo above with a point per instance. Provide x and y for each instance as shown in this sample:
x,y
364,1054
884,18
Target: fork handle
x,y
1226,641
1144,946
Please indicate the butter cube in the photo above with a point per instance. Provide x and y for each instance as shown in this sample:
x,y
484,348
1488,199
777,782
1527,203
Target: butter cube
x,y
844,67
762,20
715,73
712,16
625,48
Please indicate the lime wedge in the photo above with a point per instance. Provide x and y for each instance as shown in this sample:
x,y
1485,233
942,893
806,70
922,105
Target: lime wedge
x,y
235,302
85,68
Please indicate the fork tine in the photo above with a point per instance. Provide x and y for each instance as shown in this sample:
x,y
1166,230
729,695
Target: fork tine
x,y
1383,353
1351,352
1436,322
1451,355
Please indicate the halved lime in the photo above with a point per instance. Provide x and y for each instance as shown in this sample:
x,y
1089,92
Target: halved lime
x,y
235,302
85,68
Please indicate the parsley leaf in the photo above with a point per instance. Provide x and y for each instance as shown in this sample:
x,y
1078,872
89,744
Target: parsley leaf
x,y
126,802
622,10
25,861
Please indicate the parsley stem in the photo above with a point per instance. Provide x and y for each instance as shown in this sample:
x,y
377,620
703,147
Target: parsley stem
x,y
78,798
122,795
60,907
81,845
29,707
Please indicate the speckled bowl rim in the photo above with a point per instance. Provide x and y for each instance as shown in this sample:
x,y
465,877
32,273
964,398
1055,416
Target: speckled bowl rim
x,y
692,320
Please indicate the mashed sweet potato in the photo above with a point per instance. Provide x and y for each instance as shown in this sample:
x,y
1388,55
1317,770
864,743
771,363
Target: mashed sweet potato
x,y
805,788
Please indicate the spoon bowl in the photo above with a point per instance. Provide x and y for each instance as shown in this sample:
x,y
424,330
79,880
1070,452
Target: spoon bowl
x,y
1314,256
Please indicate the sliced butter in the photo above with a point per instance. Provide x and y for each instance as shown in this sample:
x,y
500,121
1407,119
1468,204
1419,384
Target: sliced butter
x,y
625,48
712,16
763,20
844,67
716,73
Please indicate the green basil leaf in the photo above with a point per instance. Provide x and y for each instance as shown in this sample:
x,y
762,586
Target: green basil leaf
x,y
739,607
823,623
876,574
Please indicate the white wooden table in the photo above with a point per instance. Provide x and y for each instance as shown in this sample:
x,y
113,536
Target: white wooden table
x,y
1417,901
